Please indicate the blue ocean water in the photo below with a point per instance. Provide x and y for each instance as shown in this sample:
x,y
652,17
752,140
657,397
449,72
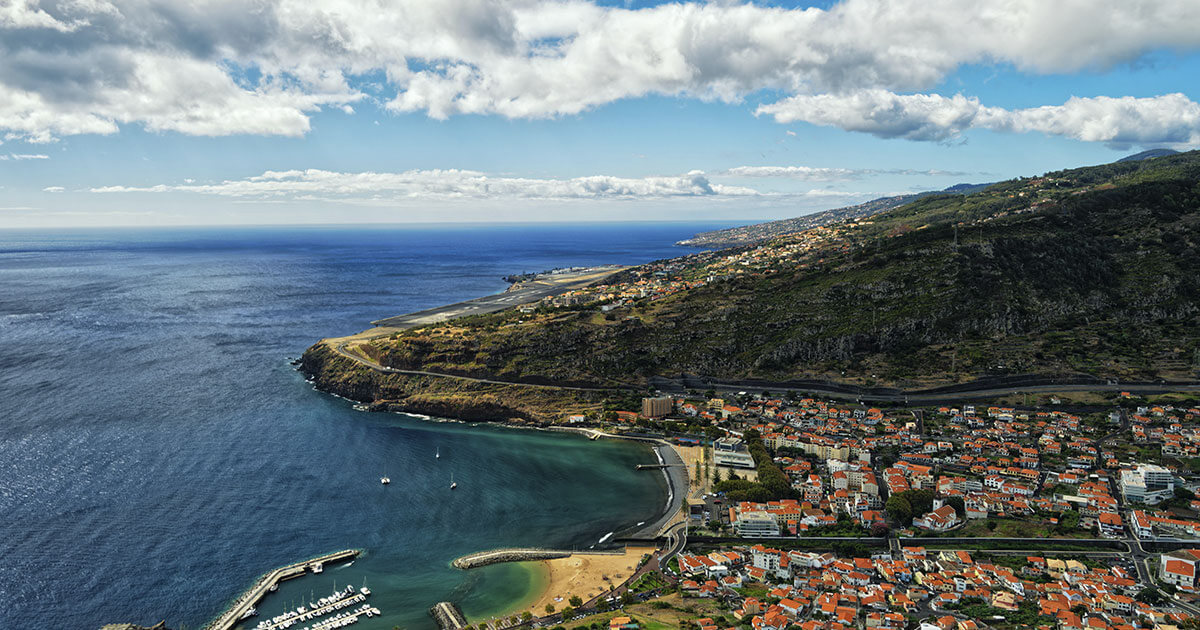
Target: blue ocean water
x,y
158,452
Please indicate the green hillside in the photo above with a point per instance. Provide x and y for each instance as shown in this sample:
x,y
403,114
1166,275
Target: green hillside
x,y
1087,271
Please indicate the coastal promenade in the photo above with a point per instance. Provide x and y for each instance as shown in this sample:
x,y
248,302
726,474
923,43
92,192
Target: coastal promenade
x,y
672,467
233,615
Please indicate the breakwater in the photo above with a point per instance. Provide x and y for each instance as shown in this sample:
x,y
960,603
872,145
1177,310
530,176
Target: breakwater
x,y
236,611
484,558
496,556
448,616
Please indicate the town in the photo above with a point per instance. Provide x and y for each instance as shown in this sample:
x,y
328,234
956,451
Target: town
x,y
829,515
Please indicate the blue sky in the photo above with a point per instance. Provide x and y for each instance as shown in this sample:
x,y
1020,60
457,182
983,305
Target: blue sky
x,y
328,111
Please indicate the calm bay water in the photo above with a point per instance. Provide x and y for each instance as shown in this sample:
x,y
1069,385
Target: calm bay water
x,y
158,452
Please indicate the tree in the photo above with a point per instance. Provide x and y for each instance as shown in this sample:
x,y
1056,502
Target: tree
x,y
960,506
549,609
526,616
567,612
576,601
1149,595
899,509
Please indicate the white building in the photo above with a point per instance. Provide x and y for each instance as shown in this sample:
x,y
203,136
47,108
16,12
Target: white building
x,y
1147,483
755,524
732,452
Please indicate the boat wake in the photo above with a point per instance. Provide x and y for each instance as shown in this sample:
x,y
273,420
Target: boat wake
x,y
606,537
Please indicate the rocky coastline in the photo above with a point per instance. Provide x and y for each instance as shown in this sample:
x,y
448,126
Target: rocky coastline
x,y
374,390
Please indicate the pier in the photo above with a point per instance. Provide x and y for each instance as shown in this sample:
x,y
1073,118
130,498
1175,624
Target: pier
x,y
233,615
448,616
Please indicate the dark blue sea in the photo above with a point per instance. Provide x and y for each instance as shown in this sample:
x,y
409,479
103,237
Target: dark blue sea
x,y
158,452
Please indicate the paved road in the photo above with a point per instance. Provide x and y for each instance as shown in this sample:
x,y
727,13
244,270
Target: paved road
x,y
341,349
851,392
677,479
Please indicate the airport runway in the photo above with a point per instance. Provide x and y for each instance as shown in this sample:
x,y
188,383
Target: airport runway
x,y
543,286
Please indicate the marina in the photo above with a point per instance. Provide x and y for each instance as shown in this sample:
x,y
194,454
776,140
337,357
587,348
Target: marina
x,y
339,600
244,607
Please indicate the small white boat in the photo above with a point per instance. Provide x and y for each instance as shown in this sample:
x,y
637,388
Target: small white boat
x,y
249,613
385,480
317,568
438,453
453,485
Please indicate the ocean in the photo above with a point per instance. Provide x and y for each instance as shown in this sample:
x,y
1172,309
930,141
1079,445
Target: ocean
x,y
158,451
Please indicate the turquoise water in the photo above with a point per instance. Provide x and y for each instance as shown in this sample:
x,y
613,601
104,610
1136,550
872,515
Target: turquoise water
x,y
158,452
515,487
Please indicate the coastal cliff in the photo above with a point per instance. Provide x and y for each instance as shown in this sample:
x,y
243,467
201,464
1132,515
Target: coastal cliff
x,y
1090,273
441,397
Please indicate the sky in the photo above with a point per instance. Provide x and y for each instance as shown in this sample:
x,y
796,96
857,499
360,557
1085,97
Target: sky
x,y
161,112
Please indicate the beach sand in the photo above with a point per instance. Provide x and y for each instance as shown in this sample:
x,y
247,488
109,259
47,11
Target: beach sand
x,y
584,575
698,485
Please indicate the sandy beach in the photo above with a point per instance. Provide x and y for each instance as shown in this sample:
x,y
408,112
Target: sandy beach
x,y
696,457
585,575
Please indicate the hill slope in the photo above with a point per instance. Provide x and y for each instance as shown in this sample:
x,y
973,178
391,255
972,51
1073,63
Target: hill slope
x,y
1088,271
1145,155
759,232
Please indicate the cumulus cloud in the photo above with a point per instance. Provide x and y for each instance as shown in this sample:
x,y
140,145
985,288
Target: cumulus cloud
x,y
53,189
1167,119
445,184
217,68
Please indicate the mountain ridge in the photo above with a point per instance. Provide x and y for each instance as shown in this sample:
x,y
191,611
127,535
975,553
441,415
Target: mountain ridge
x,y
1090,272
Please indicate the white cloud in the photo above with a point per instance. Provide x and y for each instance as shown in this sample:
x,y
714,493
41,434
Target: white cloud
x,y
806,173
214,68
821,174
53,189
1167,119
23,156
445,184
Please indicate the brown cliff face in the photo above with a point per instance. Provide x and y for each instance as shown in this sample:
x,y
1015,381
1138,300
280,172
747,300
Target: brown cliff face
x,y
442,397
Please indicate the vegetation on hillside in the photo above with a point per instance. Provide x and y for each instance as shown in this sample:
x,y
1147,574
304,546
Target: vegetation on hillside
x,y
1091,271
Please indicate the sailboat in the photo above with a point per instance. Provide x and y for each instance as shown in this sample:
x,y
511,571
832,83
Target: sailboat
x,y
453,485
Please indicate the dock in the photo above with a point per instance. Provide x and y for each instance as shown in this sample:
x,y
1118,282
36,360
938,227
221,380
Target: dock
x,y
448,616
233,615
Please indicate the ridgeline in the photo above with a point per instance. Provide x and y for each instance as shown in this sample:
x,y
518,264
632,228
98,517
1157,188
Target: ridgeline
x,y
1085,272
